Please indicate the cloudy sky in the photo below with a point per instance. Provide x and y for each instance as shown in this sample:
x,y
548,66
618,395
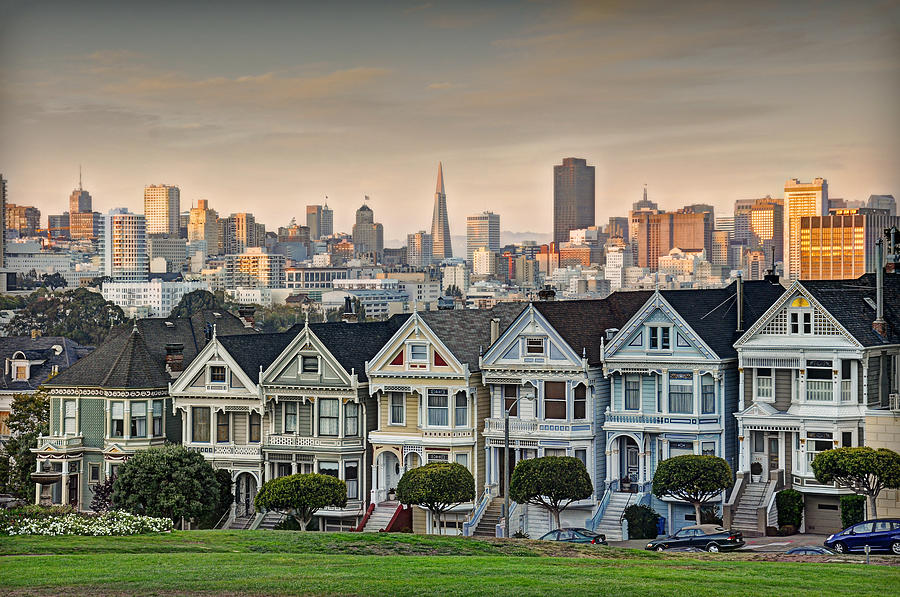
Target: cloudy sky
x,y
269,106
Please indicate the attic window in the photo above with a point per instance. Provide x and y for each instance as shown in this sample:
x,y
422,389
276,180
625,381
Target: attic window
x,y
534,346
21,373
309,365
418,352
217,374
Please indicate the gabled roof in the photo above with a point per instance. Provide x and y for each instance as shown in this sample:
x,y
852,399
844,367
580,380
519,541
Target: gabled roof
x,y
252,351
39,349
135,362
712,312
583,324
352,344
846,301
467,332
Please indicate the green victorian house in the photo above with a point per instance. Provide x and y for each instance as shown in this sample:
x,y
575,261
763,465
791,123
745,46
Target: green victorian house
x,y
116,401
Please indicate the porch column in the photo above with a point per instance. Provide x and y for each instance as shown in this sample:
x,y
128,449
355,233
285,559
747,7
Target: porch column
x,y
781,451
64,497
642,467
37,486
744,448
293,468
740,388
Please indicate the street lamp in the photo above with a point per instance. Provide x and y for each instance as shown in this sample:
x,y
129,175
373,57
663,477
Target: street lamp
x,y
527,392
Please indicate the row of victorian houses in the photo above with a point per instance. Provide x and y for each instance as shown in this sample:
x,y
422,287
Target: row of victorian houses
x,y
761,376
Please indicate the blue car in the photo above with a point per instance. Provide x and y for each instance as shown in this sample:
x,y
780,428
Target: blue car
x,y
879,535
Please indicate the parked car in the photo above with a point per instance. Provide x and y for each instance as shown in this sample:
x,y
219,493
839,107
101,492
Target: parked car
x,y
575,535
879,535
809,550
710,537
687,549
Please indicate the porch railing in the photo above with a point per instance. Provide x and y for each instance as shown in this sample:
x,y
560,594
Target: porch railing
x,y
846,389
469,526
300,441
594,520
819,391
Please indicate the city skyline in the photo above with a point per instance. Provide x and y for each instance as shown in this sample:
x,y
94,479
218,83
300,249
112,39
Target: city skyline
x,y
649,94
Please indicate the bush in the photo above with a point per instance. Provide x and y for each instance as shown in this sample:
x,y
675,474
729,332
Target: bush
x,y
790,508
102,500
106,524
853,509
692,478
642,521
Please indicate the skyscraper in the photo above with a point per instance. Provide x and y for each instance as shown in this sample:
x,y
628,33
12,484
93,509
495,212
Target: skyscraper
x,y
162,206
314,220
123,246
79,200
841,245
203,224
368,235
419,249
800,199
440,222
326,224
482,230
3,219
84,223
240,233
573,198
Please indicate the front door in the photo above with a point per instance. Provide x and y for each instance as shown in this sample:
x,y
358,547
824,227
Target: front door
x,y
773,453
73,491
511,464
632,463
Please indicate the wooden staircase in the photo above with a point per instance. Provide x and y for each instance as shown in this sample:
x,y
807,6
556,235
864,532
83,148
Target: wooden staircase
x,y
611,523
381,516
745,517
487,526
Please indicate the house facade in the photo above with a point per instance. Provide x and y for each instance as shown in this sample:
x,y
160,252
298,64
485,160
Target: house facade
x,y
673,379
811,369
431,403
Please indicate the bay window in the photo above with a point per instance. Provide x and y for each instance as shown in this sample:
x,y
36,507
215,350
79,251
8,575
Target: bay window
x,y
255,427
511,400
765,386
461,418
351,419
138,419
328,416
632,392
438,408
351,478
580,402
681,393
290,417
117,419
707,395
329,468
554,400
200,423
398,408
819,381
69,421
157,418
222,424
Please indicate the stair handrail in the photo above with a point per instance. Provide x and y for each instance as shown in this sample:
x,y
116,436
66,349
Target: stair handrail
x,y
469,525
393,518
223,520
501,524
365,518
594,520
734,498
256,521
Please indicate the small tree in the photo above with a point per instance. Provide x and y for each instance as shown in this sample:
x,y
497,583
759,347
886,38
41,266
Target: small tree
x,y
790,508
437,486
195,302
864,471
553,482
693,478
103,492
29,417
301,496
170,481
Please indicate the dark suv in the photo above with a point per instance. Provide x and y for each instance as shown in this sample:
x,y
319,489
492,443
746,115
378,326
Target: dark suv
x,y
879,535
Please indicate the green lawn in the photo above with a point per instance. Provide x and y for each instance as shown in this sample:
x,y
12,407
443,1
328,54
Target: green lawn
x,y
276,563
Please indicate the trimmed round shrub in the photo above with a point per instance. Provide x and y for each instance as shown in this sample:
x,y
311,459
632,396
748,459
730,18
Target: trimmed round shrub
x,y
853,509
642,521
790,508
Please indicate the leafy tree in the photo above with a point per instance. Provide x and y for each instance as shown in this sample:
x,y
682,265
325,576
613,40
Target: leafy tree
x,y
693,478
11,301
195,302
864,471
277,318
54,280
853,509
642,520
790,508
453,290
437,486
103,492
29,418
80,315
170,481
301,496
553,482
226,498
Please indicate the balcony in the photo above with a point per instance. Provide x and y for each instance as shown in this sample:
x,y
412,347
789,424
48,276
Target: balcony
x,y
227,451
62,442
447,433
517,427
299,441
667,419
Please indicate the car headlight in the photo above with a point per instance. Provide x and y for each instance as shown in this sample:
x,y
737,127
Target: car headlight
x,y
830,537
649,545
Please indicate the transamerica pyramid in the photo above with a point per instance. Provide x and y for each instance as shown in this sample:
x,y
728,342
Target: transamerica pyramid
x,y
440,223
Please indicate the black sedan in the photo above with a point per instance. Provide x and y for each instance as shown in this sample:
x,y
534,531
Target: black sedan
x,y
809,550
709,537
575,535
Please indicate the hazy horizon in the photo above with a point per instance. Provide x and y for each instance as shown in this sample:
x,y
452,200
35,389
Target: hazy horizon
x,y
267,108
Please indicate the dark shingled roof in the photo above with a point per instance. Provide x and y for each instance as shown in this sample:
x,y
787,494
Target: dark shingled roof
x,y
845,300
124,361
252,351
352,344
712,312
37,349
467,332
583,324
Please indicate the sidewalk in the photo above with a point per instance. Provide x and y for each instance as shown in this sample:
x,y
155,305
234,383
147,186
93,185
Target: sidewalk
x,y
757,544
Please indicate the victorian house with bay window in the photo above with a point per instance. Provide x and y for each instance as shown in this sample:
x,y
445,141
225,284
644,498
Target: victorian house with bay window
x,y
114,402
431,402
811,370
673,379
545,373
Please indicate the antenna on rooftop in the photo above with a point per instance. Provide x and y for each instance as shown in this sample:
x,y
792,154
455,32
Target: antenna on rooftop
x,y
79,178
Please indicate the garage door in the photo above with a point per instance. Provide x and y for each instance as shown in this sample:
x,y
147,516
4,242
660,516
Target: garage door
x,y
823,514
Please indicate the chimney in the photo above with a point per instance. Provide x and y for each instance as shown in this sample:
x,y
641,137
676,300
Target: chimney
x,y
495,330
174,358
349,315
611,333
246,315
879,325
740,302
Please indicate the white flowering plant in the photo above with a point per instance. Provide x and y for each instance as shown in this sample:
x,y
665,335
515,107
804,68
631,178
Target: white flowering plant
x,y
115,522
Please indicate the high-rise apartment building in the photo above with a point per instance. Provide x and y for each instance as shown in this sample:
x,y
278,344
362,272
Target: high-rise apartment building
x,y
162,207
203,224
419,249
725,223
440,221
767,226
573,197
484,262
255,269
326,223
58,225
800,199
659,233
240,232
721,243
841,245
123,246
482,230
618,227
167,253
368,235
24,219
885,202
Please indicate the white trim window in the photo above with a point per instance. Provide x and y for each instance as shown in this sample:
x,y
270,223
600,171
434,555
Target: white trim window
x,y
217,374
138,419
117,419
418,352
463,459
157,418
660,337
351,419
329,411
461,410
681,393
290,417
707,395
438,408
801,322
397,414
708,448
70,420
819,381
632,392
351,478
534,346
309,365
764,383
